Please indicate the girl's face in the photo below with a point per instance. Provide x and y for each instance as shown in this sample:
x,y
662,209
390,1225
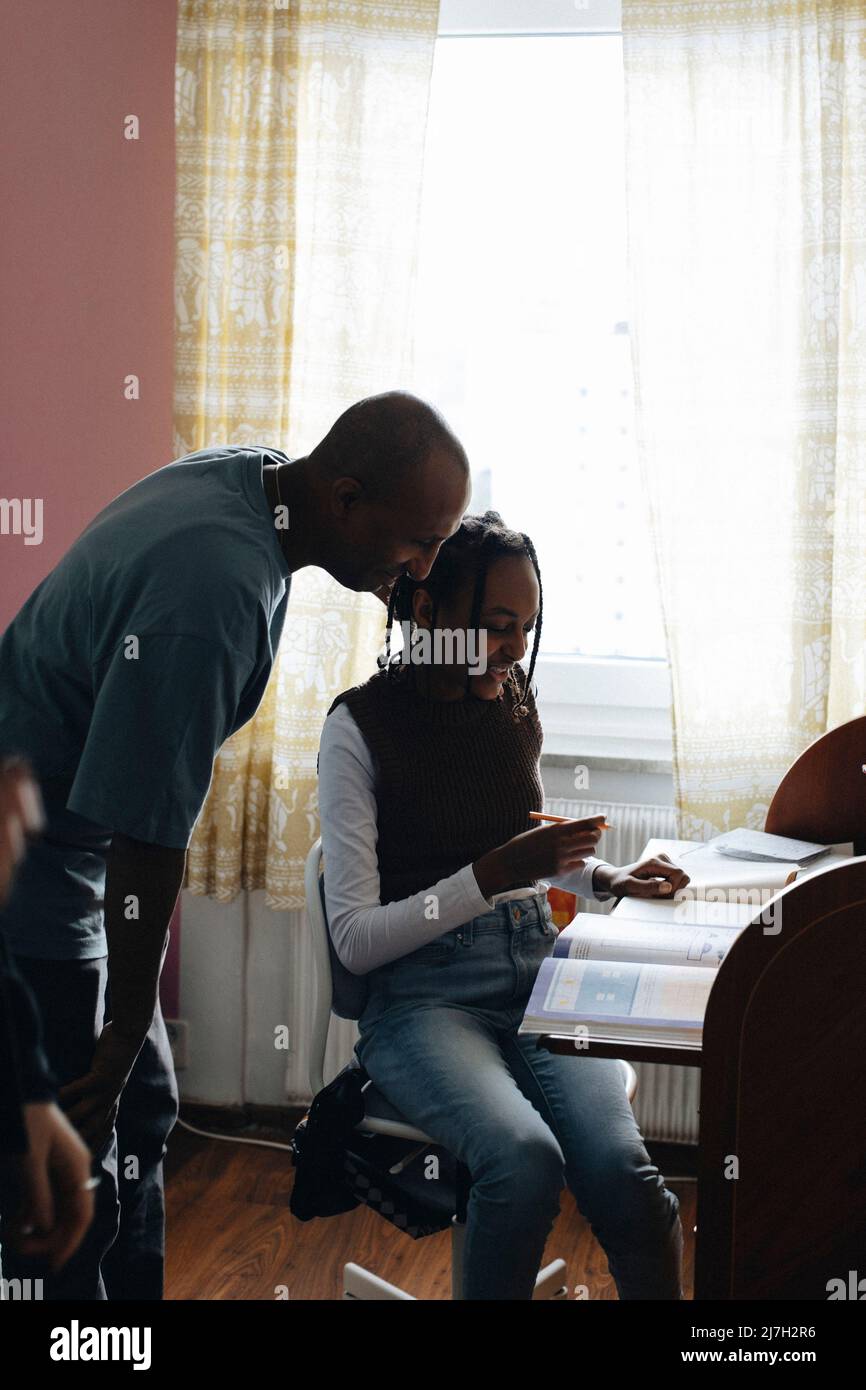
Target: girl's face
x,y
509,609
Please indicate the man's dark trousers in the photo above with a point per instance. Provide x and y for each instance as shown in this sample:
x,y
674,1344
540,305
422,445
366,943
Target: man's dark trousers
x,y
122,1255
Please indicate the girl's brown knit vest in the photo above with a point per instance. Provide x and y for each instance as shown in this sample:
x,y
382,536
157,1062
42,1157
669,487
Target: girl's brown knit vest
x,y
454,778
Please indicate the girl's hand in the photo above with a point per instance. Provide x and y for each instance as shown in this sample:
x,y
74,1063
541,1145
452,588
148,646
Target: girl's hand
x,y
547,852
656,877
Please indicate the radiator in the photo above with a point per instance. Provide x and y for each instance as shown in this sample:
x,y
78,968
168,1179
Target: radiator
x,y
667,1098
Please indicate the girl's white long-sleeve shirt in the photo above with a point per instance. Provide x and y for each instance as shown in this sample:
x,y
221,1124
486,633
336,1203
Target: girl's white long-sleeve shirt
x,y
366,933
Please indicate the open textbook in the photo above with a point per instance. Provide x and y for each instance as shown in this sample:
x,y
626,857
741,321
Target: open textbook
x,y
654,938
638,974
644,973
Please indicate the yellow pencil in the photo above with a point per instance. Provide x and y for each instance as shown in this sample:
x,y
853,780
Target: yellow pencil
x,y
539,815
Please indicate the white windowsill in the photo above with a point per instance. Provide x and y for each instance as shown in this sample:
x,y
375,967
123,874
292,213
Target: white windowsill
x,y
606,708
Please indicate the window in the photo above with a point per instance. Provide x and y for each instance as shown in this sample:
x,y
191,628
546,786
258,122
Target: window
x,y
522,334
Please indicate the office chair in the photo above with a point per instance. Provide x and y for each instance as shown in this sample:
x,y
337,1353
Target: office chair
x,y
338,991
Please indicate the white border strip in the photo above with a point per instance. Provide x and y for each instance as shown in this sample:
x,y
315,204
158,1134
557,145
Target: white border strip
x,y
464,17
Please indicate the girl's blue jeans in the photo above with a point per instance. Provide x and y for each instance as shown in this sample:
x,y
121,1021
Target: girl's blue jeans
x,y
438,1037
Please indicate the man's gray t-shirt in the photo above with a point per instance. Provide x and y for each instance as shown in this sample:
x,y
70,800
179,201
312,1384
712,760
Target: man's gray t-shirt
x,y
143,650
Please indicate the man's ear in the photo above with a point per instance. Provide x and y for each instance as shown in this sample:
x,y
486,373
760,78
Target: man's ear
x,y
346,493
422,608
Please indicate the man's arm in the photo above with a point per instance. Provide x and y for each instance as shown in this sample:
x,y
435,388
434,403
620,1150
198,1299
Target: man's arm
x,y
141,886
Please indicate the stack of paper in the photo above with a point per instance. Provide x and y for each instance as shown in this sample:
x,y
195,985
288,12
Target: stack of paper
x,y
759,847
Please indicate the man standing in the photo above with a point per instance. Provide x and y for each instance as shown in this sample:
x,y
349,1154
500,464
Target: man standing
x,y
147,646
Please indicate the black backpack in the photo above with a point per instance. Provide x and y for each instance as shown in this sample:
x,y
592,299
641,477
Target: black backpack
x,y
319,1146
338,1167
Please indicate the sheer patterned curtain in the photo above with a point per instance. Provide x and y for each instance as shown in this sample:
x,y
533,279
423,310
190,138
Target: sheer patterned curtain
x,y
746,194
300,137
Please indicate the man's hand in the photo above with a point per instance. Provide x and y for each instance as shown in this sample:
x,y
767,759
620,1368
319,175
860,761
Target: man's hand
x,y
656,877
52,1209
91,1102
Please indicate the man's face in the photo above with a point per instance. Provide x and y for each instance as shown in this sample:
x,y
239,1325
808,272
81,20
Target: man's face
x,y
377,541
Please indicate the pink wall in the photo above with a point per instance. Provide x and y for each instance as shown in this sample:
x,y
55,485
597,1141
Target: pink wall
x,y
86,267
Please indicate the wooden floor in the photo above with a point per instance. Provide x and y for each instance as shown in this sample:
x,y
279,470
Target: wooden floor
x,y
230,1234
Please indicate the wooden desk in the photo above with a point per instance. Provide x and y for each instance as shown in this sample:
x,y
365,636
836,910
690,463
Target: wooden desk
x,y
782,1089
782,1098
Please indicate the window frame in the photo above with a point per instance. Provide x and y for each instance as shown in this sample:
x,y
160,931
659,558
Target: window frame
x,y
464,17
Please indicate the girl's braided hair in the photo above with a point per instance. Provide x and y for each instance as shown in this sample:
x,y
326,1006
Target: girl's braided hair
x,y
478,541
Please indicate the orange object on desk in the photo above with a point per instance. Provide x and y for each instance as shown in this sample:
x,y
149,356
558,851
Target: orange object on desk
x,y
563,906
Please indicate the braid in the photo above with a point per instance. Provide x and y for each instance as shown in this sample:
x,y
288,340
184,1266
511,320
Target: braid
x,y
529,548
478,541
388,658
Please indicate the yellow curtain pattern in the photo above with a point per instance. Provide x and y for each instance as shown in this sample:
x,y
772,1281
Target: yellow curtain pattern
x,y
746,194
300,136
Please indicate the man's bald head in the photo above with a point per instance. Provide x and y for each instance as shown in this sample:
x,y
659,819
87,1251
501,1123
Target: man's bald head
x,y
391,482
383,440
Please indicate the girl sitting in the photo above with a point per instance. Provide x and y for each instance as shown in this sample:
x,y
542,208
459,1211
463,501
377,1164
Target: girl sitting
x,y
435,891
